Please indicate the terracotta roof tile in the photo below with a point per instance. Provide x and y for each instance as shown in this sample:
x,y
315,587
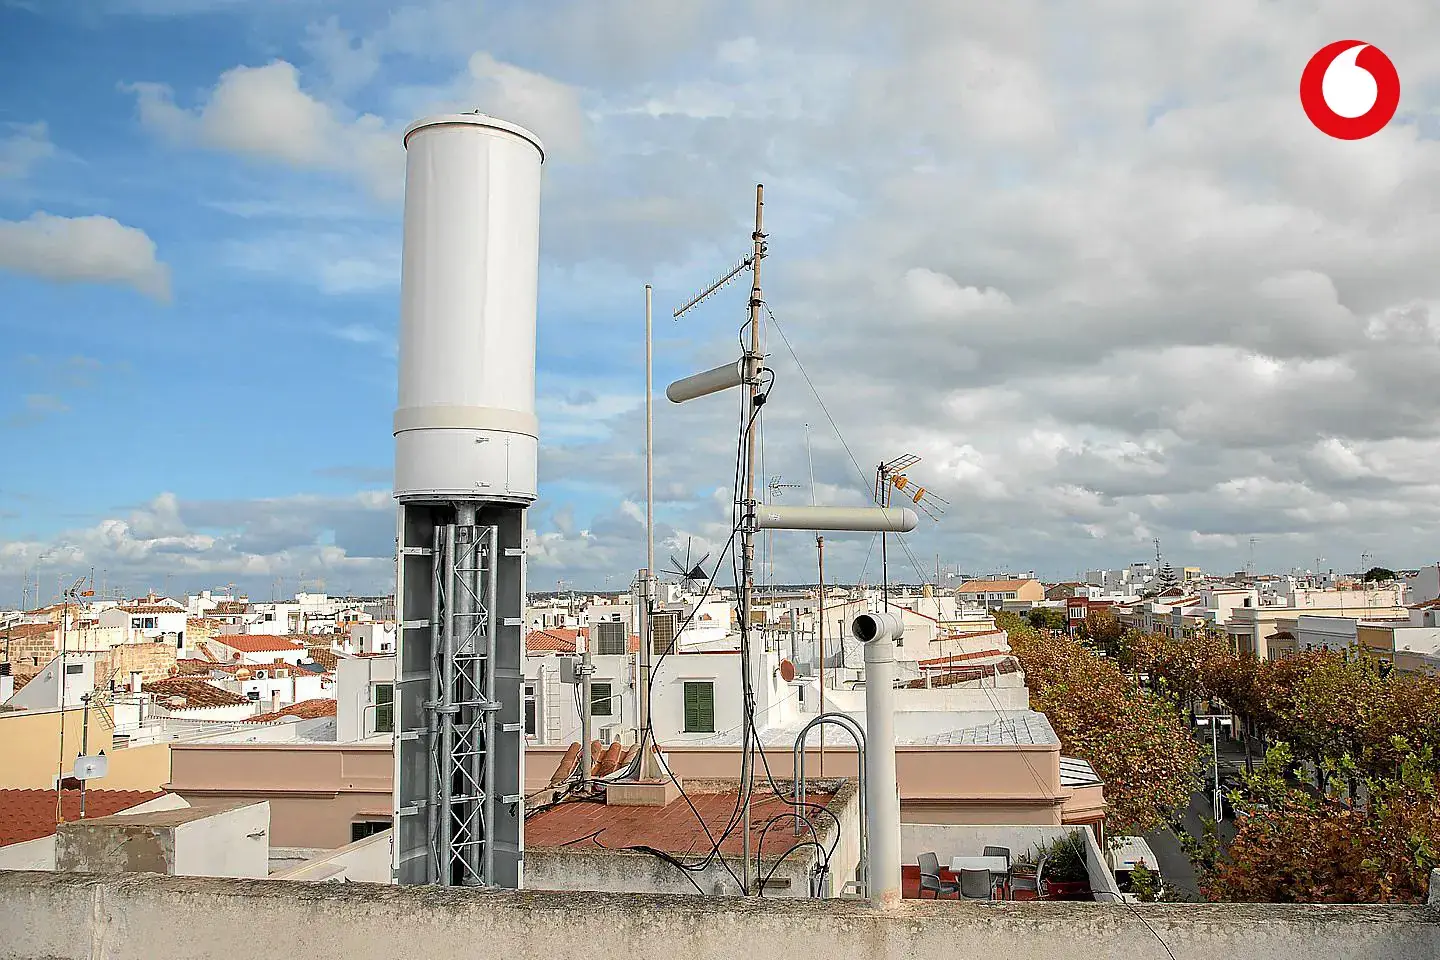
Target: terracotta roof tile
x,y
196,692
30,814
323,656
673,828
305,710
556,640
150,608
257,643
960,658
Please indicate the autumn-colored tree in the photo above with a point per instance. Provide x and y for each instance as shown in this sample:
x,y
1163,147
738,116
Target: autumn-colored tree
x,y
1136,741
1102,629
1296,846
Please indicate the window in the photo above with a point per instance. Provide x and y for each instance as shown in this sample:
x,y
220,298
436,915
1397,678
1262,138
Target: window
x,y
699,706
73,668
253,694
134,623
600,700
530,709
384,699
149,623
610,639
361,829
662,632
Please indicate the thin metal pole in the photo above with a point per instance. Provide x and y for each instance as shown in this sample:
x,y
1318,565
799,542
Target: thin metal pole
x,y
586,707
433,720
647,600
60,766
820,618
446,710
747,593
820,546
490,719
84,748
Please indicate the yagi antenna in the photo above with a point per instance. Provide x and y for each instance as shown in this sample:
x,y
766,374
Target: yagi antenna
x,y
743,265
892,475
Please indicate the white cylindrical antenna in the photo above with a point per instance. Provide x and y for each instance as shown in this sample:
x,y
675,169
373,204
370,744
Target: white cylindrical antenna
x,y
465,424
703,384
860,519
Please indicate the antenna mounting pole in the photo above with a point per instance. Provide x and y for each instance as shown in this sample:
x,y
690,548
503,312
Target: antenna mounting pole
x,y
747,548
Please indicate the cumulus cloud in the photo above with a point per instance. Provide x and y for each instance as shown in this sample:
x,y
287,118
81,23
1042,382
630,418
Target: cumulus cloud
x,y
83,250
1093,265
263,112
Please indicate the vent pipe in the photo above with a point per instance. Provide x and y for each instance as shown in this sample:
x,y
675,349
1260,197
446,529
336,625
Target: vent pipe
x,y
878,632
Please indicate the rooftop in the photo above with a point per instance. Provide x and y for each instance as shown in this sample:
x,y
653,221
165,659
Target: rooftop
x,y
674,828
305,710
30,814
917,728
196,692
979,586
259,643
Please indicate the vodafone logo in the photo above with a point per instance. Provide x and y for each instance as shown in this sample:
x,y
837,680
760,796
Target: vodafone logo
x,y
1350,90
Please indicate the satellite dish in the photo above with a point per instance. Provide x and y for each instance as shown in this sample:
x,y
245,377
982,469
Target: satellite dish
x,y
787,671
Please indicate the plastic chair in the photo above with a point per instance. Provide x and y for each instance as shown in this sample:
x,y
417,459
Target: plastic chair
x,y
1033,884
1004,879
930,877
977,885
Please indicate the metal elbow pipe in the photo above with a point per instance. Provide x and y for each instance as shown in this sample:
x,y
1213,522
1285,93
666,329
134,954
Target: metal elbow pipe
x,y
881,625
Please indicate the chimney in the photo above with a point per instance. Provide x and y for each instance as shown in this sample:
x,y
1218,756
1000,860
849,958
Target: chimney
x,y
274,700
136,681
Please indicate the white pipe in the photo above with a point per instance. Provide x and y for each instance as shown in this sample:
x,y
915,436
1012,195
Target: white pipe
x,y
703,384
887,519
882,801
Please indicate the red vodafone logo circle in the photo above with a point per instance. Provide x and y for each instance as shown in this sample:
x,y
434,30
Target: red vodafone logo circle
x,y
1350,90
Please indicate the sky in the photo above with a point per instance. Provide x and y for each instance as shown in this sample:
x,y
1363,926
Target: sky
x,y
1090,262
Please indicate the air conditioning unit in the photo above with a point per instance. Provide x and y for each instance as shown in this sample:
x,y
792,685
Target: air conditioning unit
x,y
261,675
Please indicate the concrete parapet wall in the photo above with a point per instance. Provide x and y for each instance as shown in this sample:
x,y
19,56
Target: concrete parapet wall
x,y
60,917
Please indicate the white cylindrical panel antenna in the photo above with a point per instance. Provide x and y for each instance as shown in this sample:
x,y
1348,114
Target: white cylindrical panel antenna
x,y
881,625
465,424
864,519
703,384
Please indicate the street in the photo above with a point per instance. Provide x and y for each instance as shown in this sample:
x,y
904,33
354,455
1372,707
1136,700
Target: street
x,y
1174,865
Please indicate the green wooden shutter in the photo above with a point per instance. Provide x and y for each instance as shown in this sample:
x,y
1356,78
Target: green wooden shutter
x,y
600,700
699,708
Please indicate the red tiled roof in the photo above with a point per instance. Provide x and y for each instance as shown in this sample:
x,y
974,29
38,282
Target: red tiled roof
x,y
30,814
673,828
323,656
557,639
197,692
255,643
960,658
150,608
305,710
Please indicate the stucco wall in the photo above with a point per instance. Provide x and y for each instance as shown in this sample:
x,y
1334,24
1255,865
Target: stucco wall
x,y
29,748
60,917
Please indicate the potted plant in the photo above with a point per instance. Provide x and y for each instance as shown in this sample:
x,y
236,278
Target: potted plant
x,y
1066,876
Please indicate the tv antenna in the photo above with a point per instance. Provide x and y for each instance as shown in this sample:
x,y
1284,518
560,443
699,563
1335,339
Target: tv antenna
x,y
891,476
